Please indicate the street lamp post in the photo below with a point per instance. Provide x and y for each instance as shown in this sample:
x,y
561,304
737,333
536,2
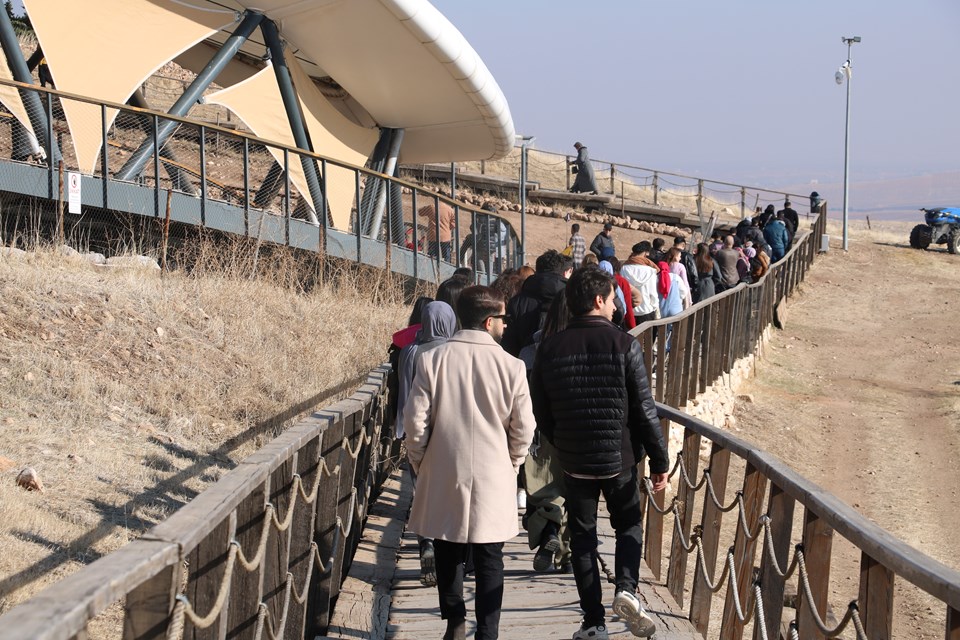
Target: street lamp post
x,y
846,73
525,142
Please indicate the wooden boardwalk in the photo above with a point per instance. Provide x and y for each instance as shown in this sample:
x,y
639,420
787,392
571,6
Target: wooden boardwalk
x,y
391,600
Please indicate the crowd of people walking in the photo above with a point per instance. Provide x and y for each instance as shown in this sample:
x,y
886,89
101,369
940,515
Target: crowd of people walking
x,y
530,394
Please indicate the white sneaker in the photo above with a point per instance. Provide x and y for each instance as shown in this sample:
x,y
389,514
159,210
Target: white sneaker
x,y
521,500
629,609
599,632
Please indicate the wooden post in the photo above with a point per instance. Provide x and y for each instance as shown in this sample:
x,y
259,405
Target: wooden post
x,y
780,509
247,589
277,557
677,574
817,547
325,528
706,350
656,189
166,233
876,598
566,170
953,624
147,607
208,563
702,597
754,486
613,179
661,364
61,237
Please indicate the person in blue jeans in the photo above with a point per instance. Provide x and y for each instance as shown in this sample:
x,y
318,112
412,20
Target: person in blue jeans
x,y
592,402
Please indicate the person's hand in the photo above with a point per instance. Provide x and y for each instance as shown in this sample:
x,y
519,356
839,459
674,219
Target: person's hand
x,y
659,481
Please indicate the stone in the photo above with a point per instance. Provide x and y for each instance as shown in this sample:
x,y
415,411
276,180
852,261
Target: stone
x,y
13,252
133,262
94,258
29,479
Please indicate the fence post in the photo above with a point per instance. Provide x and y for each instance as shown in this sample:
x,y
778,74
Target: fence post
x,y
677,573
817,547
743,203
656,189
876,598
613,177
754,485
780,510
701,596
566,170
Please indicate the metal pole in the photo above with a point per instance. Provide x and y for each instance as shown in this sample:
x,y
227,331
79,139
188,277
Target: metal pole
x,y
291,105
191,94
846,151
523,201
21,73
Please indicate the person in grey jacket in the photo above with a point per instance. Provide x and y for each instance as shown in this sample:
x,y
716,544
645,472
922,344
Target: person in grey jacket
x,y
603,243
586,182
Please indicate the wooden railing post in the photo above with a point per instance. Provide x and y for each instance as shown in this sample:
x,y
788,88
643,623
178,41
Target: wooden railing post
x,y
148,606
701,598
247,588
277,558
326,533
876,598
677,573
754,487
817,548
208,563
953,624
780,510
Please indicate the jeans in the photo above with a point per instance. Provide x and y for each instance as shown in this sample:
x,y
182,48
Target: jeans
x,y
622,494
488,562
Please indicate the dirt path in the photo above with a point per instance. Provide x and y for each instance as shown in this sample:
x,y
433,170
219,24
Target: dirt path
x,y
861,394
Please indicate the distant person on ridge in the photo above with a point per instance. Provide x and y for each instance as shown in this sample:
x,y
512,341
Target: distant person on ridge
x,y
592,402
603,241
585,181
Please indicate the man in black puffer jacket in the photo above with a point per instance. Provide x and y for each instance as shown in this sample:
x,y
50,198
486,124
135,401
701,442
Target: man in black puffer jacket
x,y
591,397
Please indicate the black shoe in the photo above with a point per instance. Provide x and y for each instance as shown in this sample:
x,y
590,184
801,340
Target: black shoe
x,y
566,567
456,630
543,560
428,564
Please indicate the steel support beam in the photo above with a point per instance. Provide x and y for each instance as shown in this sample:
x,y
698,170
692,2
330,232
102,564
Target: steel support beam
x,y
136,163
384,161
180,179
291,105
21,73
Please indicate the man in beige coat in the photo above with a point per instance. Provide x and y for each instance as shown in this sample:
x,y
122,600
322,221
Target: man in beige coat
x,y
469,422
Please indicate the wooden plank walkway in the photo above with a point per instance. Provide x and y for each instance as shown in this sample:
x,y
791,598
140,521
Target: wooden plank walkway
x,y
541,606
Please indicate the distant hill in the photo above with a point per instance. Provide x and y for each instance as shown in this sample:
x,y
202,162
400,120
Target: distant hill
x,y
893,198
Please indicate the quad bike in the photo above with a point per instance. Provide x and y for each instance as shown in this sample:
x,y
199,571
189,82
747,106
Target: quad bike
x,y
942,227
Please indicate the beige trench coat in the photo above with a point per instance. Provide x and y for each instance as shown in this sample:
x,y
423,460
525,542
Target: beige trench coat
x,y
469,422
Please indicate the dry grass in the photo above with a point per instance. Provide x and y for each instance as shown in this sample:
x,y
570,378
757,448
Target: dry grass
x,y
129,391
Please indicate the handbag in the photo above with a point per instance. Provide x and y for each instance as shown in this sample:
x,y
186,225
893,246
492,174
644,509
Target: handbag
x,y
574,169
568,251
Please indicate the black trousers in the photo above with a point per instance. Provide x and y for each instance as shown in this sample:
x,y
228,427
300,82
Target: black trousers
x,y
488,570
582,497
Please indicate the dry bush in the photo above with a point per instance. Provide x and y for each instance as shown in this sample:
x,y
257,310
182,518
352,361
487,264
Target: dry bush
x,y
129,390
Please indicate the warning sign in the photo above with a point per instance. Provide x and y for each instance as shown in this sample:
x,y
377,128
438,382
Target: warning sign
x,y
73,192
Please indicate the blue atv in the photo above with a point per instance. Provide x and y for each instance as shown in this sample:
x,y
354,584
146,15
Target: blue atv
x,y
943,226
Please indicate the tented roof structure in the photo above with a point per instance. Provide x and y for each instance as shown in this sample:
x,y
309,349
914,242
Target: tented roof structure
x,y
358,66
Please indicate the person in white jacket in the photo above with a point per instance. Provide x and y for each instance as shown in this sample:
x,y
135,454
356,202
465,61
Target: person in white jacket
x,y
641,273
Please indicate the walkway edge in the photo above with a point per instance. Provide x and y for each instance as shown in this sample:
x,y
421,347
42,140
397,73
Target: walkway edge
x,y
363,607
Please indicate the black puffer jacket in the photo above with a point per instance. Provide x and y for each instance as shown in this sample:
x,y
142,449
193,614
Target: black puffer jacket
x,y
591,397
527,308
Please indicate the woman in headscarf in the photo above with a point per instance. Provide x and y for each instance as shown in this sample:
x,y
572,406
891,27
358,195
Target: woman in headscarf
x,y
438,322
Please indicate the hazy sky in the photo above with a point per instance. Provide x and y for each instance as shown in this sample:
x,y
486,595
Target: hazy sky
x,y
741,90
738,90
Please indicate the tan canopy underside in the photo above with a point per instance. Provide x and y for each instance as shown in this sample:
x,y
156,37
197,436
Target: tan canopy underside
x,y
257,101
108,48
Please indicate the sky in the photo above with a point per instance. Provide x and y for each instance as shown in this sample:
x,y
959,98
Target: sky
x,y
740,90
